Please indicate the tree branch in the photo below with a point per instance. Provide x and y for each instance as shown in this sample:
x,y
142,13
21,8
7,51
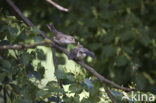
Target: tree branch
x,y
27,21
55,62
22,46
56,67
108,93
102,78
57,6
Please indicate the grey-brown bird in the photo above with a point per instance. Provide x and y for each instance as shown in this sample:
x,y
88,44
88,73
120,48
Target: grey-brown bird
x,y
80,53
60,37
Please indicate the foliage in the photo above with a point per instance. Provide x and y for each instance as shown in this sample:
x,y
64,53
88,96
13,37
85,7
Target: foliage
x,y
120,33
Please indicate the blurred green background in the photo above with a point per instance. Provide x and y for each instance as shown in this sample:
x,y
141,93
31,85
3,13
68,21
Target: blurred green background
x,y
121,33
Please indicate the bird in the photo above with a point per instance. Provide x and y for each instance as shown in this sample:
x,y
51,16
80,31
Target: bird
x,y
80,53
60,37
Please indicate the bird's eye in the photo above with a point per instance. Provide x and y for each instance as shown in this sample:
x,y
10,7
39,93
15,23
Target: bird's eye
x,y
80,52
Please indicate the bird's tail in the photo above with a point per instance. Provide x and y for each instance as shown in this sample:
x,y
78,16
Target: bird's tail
x,y
90,54
52,28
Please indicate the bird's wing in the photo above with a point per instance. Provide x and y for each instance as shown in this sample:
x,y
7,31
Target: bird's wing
x,y
60,35
72,53
89,53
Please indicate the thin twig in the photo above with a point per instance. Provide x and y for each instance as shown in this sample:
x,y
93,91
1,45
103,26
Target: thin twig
x,y
56,67
109,93
55,63
4,94
57,6
9,96
100,77
22,46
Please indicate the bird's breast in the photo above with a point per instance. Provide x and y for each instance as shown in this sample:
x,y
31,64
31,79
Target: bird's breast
x,y
81,55
62,40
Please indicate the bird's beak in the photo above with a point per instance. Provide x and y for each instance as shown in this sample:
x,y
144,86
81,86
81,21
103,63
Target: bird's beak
x,y
48,26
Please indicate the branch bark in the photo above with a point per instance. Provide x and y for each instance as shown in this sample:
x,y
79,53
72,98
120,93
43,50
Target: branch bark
x,y
55,62
56,67
13,6
22,46
102,78
57,6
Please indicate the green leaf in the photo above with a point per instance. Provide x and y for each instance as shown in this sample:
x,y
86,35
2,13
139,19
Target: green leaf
x,y
75,88
121,60
41,70
6,64
76,98
60,74
40,54
25,58
94,46
85,100
13,32
109,51
37,38
35,30
52,84
141,81
70,77
33,54
128,50
41,94
55,89
2,76
126,35
93,91
144,40
22,37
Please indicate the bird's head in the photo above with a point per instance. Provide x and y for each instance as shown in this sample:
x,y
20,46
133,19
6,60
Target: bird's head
x,y
69,39
81,54
79,45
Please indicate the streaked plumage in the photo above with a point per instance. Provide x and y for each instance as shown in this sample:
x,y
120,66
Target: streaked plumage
x,y
60,37
80,53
